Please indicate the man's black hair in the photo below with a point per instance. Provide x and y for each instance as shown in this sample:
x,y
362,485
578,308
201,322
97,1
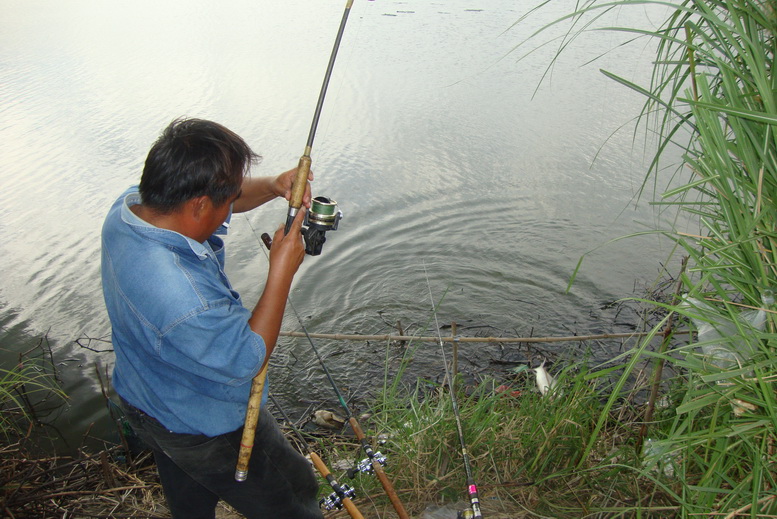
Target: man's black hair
x,y
192,158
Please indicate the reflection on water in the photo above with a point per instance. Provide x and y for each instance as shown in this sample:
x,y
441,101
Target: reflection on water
x,y
449,163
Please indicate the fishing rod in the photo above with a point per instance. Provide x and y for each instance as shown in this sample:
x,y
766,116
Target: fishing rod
x,y
342,494
472,489
323,216
314,235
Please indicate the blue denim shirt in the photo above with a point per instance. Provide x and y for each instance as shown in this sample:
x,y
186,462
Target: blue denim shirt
x,y
185,353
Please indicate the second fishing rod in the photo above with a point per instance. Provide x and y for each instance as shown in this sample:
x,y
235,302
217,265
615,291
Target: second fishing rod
x,y
342,494
472,489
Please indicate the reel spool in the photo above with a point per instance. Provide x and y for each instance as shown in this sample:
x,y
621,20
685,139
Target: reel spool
x,y
323,216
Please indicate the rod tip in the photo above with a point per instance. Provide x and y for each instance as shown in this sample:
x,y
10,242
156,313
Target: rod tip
x,y
241,475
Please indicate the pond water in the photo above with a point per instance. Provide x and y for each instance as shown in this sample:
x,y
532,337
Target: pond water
x,y
462,170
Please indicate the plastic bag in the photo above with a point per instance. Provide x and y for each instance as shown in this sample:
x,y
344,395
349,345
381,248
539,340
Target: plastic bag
x,y
657,457
721,341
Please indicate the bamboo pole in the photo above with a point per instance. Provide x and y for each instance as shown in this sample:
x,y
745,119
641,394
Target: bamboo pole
x,y
251,420
407,338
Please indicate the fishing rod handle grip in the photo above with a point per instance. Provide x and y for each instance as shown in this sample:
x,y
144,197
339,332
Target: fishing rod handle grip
x,y
300,182
249,428
388,488
378,468
324,471
357,430
319,464
351,508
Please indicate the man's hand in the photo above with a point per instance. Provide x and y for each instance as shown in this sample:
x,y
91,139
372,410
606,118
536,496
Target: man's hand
x,y
260,190
288,250
284,182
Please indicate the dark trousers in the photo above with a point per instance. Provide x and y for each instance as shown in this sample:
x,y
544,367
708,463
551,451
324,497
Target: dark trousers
x,y
196,471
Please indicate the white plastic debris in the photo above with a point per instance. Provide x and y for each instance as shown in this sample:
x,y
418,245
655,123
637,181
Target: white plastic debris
x,y
657,457
725,343
720,339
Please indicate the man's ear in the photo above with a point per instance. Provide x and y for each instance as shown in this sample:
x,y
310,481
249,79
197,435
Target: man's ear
x,y
197,207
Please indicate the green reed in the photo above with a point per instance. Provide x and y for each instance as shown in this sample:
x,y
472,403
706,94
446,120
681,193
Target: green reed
x,y
713,94
528,451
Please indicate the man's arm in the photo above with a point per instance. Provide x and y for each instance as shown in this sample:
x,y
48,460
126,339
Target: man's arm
x,y
260,190
286,255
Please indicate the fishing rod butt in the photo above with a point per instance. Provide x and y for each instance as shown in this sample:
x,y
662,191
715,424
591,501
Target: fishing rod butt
x,y
266,240
352,510
249,428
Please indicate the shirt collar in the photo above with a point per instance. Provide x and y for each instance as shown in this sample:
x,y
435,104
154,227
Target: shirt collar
x,y
202,251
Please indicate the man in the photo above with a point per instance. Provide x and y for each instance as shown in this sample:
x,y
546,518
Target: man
x,y
186,348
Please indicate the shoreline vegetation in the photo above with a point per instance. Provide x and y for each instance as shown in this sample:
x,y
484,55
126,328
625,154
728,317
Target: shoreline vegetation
x,y
512,429
676,425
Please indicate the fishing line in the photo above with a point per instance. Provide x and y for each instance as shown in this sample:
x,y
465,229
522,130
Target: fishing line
x,y
336,96
472,489
375,460
303,168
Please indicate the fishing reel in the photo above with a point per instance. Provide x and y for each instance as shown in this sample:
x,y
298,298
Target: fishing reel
x,y
365,465
335,499
323,216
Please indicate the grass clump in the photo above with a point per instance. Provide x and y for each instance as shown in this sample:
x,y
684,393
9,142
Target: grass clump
x,y
25,388
525,448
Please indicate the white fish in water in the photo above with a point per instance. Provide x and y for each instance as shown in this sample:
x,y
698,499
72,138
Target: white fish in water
x,y
545,381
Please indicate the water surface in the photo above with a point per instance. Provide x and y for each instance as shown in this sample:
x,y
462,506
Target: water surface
x,y
460,170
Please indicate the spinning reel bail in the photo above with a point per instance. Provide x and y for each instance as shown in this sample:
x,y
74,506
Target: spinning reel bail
x,y
323,216
365,466
335,501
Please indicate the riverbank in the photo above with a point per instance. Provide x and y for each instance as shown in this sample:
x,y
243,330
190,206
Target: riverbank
x,y
528,450
97,485
525,449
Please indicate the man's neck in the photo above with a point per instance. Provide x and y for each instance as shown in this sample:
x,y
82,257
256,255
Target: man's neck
x,y
170,221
